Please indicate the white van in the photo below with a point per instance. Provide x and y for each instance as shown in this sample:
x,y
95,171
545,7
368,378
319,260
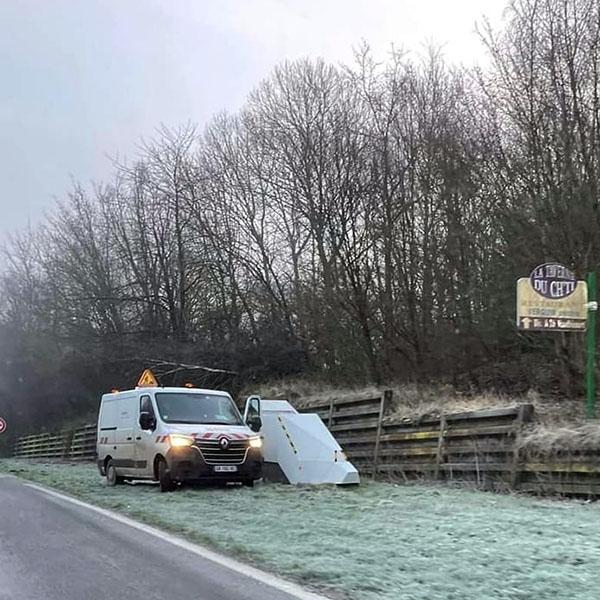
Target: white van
x,y
177,434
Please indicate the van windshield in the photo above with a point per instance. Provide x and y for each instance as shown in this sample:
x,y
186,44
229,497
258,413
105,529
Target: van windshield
x,y
213,409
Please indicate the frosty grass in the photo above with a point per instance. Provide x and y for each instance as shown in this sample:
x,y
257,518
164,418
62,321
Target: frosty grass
x,y
376,541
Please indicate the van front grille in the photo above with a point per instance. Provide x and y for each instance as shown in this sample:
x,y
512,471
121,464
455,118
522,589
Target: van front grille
x,y
213,454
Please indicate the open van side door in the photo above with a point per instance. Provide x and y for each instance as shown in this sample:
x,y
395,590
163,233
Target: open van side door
x,y
252,413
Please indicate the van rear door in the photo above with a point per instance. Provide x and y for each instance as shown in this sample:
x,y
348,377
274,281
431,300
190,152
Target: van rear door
x,y
108,421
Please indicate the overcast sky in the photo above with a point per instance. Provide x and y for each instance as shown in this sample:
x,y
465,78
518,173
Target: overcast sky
x,y
82,80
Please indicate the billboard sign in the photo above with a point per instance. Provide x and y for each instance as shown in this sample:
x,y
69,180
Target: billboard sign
x,y
556,303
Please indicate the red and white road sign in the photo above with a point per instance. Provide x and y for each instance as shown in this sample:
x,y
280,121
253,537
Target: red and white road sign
x,y
2,425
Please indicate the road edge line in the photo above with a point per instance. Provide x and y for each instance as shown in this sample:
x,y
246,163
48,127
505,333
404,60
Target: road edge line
x,y
204,552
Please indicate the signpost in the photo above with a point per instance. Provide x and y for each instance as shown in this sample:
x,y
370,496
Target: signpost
x,y
590,343
552,299
2,425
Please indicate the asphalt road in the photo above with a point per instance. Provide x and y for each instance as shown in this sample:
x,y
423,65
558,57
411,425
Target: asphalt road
x,y
51,549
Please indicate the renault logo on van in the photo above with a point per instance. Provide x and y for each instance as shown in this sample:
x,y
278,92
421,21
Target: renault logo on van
x,y
223,443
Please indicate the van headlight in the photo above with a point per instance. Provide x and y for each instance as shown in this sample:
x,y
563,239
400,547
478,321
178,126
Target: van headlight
x,y
255,442
180,441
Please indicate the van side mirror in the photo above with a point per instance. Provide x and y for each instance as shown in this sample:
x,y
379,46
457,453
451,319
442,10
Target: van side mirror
x,y
147,421
252,413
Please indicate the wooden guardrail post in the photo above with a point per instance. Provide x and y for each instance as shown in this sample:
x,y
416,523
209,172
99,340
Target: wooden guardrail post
x,y
386,398
330,417
68,441
522,415
439,457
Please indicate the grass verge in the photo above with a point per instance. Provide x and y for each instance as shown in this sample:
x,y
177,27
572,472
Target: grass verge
x,y
376,541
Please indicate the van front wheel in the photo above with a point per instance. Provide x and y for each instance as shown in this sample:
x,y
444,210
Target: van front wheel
x,y
164,477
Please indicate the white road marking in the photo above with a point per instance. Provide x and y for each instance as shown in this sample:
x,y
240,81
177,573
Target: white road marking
x,y
271,580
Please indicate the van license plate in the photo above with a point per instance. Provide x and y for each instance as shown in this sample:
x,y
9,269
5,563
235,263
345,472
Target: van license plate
x,y
225,469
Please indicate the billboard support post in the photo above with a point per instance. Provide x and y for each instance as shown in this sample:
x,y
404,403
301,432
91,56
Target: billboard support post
x,y
590,372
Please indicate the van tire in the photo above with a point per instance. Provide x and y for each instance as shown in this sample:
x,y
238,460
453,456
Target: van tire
x,y
248,483
112,478
164,477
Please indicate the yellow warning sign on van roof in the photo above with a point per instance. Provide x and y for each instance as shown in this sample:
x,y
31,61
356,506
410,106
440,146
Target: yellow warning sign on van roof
x,y
147,379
